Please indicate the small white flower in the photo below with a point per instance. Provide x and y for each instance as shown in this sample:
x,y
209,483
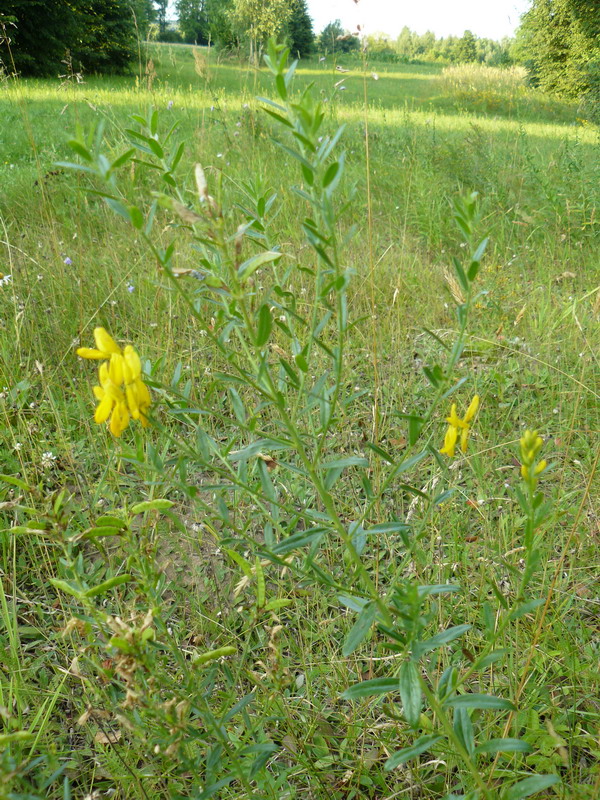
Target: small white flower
x,y
18,446
5,279
48,459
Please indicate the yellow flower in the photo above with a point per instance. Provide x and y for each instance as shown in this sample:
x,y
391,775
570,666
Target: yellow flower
x,y
456,424
531,444
112,402
450,441
122,393
105,345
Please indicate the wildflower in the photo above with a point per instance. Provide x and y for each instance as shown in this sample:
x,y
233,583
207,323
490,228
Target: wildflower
x,y
121,393
457,425
131,288
48,460
105,346
67,261
170,105
531,444
5,279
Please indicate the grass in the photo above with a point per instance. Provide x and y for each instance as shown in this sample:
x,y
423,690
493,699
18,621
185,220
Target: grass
x,y
532,355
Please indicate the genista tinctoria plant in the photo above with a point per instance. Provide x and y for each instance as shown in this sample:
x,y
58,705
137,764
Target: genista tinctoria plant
x,y
275,489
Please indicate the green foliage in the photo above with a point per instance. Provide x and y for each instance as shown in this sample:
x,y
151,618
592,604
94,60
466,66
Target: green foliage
x,y
410,46
300,34
257,20
193,21
559,41
466,50
334,39
95,35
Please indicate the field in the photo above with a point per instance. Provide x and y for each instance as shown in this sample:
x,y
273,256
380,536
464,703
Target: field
x,y
211,605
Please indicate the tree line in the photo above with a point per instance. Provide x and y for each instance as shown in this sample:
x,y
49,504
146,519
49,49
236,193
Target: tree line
x,y
38,36
558,40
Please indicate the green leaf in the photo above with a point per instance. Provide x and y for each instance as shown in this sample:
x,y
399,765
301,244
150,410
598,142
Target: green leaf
x,y
16,482
282,120
404,755
380,452
420,648
212,655
136,217
242,562
122,159
475,260
529,786
342,463
152,505
526,608
301,362
369,688
265,325
298,540
463,728
409,463
504,746
410,692
260,583
460,274
80,149
330,173
118,207
491,658
105,586
360,629
481,701
248,267
113,522
103,530
65,587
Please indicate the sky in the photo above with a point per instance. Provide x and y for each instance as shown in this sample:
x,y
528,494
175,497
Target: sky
x,y
490,19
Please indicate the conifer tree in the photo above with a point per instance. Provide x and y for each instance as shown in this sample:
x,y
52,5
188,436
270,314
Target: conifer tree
x,y
300,30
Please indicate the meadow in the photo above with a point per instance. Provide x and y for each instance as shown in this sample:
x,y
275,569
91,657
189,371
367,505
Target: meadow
x,y
280,587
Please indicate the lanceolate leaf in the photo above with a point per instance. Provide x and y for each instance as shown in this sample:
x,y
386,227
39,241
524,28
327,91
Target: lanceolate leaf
x,y
529,786
369,688
504,746
404,755
360,629
481,701
410,692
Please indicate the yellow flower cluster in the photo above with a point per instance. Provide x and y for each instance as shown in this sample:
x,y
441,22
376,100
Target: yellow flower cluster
x,y
457,425
122,393
531,444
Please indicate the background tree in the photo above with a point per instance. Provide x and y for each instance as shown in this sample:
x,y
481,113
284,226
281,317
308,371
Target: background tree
x,y
258,20
193,21
559,43
300,34
405,43
220,25
161,14
334,39
466,49
100,35
40,32
108,40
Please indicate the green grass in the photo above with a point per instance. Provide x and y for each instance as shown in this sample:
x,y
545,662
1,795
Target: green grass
x,y
532,356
